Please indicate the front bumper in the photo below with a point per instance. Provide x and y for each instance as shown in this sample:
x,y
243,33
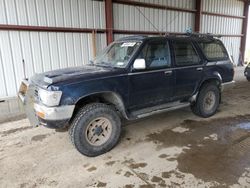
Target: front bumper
x,y
39,114
54,113
247,74
54,117
227,85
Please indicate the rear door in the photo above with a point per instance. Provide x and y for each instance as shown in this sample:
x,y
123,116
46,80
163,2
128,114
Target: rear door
x,y
188,68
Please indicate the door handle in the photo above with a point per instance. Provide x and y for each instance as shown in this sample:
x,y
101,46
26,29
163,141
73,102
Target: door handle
x,y
168,72
199,69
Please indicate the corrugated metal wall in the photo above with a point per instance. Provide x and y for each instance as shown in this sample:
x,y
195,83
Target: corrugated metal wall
x,y
224,25
43,51
133,18
187,4
128,17
60,13
229,7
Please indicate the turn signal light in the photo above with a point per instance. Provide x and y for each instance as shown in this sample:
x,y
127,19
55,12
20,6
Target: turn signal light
x,y
40,114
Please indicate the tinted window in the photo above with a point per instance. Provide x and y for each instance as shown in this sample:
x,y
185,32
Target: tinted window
x,y
185,54
156,55
214,50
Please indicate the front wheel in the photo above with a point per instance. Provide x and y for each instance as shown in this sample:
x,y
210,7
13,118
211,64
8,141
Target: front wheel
x,y
95,129
207,102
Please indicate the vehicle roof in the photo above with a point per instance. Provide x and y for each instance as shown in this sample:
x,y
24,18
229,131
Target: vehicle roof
x,y
198,38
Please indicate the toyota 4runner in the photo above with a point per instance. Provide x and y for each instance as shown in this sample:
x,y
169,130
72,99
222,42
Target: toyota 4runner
x,y
132,78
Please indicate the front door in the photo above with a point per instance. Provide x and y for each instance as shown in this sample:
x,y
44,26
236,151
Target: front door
x,y
154,85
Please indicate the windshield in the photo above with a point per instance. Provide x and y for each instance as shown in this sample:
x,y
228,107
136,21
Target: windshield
x,y
117,54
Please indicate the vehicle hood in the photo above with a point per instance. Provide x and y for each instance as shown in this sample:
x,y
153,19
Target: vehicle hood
x,y
70,74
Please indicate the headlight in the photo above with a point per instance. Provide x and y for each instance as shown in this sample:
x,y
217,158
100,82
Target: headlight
x,y
50,98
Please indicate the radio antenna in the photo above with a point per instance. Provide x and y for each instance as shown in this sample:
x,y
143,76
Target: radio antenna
x,y
24,70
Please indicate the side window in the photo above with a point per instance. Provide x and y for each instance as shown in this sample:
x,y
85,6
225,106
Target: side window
x,y
214,50
185,54
156,55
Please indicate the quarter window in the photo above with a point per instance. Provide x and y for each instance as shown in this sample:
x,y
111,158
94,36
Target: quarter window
x,y
214,50
185,54
156,55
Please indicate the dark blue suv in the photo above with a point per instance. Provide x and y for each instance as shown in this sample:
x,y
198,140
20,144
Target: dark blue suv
x,y
132,78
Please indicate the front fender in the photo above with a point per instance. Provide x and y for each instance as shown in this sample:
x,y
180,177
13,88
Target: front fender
x,y
75,91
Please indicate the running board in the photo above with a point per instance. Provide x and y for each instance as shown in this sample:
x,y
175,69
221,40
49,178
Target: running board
x,y
158,109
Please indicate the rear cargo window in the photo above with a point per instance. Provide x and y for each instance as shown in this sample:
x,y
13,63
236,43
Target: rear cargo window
x,y
214,50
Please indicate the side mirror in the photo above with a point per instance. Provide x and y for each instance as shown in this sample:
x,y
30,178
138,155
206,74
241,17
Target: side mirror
x,y
139,64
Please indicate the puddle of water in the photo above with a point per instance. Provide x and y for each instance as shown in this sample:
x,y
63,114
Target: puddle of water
x,y
91,169
245,125
39,137
223,159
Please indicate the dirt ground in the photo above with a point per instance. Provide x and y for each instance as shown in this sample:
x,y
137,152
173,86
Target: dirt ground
x,y
175,149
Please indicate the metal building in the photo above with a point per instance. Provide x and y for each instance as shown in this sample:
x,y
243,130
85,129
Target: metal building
x,y
52,34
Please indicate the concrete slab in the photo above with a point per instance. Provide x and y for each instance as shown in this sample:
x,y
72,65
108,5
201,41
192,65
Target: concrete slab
x,y
11,110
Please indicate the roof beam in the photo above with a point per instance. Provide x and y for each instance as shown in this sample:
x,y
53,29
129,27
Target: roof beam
x,y
198,6
109,20
222,15
244,30
49,29
152,5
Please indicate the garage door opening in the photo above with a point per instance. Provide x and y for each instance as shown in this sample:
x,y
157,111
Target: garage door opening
x,y
247,52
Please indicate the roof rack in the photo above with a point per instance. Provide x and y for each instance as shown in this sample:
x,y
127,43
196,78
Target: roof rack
x,y
205,35
133,37
200,35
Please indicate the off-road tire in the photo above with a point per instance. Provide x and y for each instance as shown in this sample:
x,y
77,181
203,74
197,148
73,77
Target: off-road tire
x,y
81,121
198,106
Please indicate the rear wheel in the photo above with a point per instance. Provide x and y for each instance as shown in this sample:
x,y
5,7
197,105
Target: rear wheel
x,y
95,129
207,102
